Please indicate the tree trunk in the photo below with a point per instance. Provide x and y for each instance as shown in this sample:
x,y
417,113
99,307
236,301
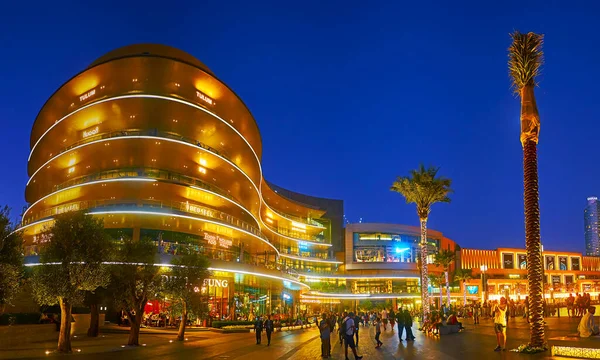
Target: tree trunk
x,y
447,288
533,243
94,321
134,331
64,338
424,272
441,295
184,314
464,293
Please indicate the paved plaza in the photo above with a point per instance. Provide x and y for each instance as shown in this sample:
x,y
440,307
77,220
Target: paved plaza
x,y
476,342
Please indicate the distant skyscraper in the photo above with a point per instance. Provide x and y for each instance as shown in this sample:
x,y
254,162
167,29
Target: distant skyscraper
x,y
590,222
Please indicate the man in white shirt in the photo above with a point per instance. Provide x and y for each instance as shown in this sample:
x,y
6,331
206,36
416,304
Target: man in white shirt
x,y
586,326
384,318
348,325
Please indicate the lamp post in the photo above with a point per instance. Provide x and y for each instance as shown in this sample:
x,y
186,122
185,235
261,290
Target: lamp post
x,y
483,269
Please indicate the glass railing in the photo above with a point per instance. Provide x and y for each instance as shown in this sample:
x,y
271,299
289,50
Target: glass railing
x,y
151,173
295,234
304,254
298,219
138,205
174,249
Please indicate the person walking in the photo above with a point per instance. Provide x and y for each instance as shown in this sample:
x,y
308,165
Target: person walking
x,y
325,329
357,327
392,316
408,323
500,324
384,318
476,312
269,326
348,327
400,321
377,324
340,330
258,327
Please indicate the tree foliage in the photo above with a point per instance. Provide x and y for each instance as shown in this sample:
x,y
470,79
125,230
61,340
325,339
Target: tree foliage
x,y
424,188
71,263
135,280
11,259
525,59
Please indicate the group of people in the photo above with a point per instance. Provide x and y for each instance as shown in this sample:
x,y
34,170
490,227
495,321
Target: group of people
x,y
577,305
268,325
348,328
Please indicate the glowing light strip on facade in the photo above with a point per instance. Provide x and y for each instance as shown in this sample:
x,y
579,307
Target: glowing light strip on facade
x,y
358,277
291,220
210,269
140,212
310,259
85,184
295,239
259,274
226,198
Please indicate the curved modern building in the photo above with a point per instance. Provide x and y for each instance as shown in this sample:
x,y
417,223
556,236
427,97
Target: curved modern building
x,y
151,141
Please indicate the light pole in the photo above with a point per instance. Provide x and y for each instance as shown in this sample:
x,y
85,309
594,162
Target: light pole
x,y
483,269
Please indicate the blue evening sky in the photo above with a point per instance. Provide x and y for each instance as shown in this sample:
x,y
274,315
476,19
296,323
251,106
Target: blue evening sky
x,y
350,94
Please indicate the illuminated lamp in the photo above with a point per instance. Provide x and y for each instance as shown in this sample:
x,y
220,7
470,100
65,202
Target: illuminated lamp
x,y
202,170
203,162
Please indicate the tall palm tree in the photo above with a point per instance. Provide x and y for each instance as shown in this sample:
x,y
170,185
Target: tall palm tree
x,y
444,258
436,280
463,275
525,58
424,188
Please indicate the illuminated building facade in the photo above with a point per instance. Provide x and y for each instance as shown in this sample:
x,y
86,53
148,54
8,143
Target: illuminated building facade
x,y
591,217
151,141
503,272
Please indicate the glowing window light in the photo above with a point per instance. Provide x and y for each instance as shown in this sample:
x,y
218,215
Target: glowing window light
x,y
71,170
298,225
203,162
202,170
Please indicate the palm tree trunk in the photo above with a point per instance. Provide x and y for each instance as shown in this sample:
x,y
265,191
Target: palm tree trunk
x,y
533,243
64,337
441,294
447,288
424,272
184,314
464,293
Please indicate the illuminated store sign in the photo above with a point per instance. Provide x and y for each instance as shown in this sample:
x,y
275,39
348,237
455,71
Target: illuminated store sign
x,y
213,239
67,208
90,132
87,95
216,282
200,210
205,98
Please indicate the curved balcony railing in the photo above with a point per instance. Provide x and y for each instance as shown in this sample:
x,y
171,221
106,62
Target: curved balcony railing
x,y
294,234
151,173
171,248
310,222
177,206
149,132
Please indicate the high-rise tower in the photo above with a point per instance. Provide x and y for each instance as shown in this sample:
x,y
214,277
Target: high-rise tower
x,y
590,221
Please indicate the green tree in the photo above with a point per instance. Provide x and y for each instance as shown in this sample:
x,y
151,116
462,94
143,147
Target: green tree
x,y
11,259
184,283
436,280
524,63
71,263
424,188
444,258
135,280
463,275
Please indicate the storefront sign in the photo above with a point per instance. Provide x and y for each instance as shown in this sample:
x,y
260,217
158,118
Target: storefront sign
x,y
216,282
90,132
67,208
200,210
87,95
213,239
205,98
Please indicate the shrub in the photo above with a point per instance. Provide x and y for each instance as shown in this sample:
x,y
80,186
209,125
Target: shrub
x,y
220,324
20,318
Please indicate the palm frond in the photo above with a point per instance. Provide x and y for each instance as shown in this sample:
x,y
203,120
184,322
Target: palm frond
x,y
525,58
424,188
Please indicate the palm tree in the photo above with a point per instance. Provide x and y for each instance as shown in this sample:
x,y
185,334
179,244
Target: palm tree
x,y
444,258
436,280
424,188
525,59
463,275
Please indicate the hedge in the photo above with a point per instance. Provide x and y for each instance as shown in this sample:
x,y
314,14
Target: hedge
x,y
220,324
20,318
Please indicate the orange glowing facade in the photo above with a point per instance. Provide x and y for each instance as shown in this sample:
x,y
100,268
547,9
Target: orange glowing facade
x,y
151,141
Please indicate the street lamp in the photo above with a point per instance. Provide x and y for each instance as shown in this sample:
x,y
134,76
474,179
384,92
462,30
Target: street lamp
x,y
483,269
